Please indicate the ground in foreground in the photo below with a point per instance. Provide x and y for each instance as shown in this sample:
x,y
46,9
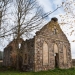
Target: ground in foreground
x,y
50,72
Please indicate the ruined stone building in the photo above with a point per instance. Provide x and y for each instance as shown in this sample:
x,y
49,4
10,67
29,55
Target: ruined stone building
x,y
10,54
49,49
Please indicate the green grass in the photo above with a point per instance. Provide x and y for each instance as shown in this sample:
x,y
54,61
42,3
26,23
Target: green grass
x,y
50,72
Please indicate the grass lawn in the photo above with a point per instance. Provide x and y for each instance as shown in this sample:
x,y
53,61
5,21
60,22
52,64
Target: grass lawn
x,y
50,72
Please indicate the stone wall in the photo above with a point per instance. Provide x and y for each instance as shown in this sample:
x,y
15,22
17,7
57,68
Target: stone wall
x,y
7,56
10,54
51,37
32,52
28,50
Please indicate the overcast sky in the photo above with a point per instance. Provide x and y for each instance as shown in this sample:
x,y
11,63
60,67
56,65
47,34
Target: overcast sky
x,y
50,5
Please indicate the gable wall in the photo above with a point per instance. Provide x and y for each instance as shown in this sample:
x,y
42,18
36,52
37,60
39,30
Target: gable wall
x,y
46,35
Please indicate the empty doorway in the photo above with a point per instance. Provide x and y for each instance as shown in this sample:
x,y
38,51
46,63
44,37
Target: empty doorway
x,y
56,55
56,60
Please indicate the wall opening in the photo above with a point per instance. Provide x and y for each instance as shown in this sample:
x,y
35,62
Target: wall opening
x,y
25,59
65,54
45,53
56,60
56,55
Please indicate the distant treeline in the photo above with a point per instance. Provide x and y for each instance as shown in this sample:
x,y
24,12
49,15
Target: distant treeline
x,y
1,55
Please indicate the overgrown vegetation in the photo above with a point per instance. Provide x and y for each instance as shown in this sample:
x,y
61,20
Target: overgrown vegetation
x,y
50,72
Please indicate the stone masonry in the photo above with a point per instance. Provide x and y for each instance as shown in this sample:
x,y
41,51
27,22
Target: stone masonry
x,y
10,54
49,49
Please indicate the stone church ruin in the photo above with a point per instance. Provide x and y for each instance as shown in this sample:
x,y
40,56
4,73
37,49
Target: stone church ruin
x,y
49,49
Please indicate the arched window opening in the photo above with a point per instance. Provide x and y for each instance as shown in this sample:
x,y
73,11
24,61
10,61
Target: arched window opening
x,y
55,48
65,54
45,53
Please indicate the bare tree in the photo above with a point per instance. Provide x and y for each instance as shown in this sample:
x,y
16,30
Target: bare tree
x,y
68,19
28,16
3,8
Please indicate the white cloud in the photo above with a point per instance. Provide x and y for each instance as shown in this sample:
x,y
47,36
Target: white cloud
x,y
59,2
46,4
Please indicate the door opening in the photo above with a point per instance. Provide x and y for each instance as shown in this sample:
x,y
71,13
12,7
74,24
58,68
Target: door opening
x,y
56,60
